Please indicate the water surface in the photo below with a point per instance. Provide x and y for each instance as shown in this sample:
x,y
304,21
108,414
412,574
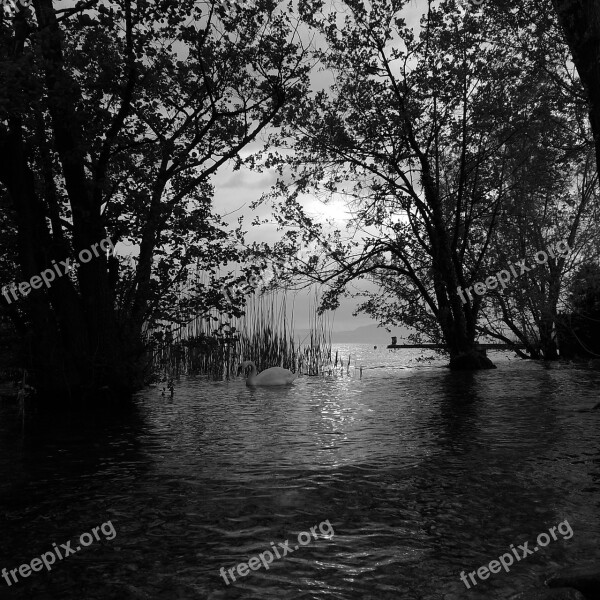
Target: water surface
x,y
421,472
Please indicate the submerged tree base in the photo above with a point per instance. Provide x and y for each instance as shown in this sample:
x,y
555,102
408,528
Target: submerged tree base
x,y
473,360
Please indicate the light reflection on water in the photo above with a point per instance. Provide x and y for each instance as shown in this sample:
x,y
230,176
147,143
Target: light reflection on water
x,y
422,473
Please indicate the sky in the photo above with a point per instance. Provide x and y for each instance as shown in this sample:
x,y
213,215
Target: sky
x,y
236,191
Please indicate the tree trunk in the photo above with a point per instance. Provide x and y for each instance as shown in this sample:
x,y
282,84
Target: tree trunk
x,y
457,320
73,346
548,345
580,22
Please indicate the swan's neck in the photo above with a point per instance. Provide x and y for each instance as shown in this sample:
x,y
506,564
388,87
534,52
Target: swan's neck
x,y
253,370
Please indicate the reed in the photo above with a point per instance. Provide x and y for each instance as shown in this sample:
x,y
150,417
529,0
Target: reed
x,y
315,353
213,347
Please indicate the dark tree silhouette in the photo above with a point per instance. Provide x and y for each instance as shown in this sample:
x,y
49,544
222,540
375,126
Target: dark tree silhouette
x,y
580,21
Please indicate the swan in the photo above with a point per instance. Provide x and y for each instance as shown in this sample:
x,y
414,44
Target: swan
x,y
272,376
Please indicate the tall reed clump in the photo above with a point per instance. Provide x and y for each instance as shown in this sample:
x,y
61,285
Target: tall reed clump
x,y
214,347
195,348
315,350
265,334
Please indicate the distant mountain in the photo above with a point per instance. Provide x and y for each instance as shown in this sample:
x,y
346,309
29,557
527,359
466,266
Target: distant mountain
x,y
368,334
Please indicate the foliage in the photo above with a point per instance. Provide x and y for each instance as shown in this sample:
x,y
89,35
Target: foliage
x,y
119,114
579,329
456,150
585,290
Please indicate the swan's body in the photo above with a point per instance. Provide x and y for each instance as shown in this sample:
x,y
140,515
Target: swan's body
x,y
272,376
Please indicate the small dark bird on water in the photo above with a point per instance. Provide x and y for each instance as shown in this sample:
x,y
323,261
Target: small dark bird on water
x,y
170,386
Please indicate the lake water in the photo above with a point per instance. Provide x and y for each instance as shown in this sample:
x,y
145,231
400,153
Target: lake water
x,y
422,473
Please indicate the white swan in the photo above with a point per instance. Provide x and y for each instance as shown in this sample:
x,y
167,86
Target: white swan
x,y
272,376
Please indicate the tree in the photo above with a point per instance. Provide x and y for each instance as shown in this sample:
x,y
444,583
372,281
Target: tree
x,y
420,136
580,21
114,116
579,329
553,183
